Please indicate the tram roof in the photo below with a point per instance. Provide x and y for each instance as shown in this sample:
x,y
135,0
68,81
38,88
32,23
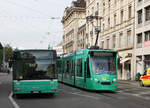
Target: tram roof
x,y
83,51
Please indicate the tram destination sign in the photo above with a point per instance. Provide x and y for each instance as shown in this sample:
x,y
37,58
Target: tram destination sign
x,y
102,54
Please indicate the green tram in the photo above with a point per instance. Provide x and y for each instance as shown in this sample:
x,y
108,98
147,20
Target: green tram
x,y
89,69
34,71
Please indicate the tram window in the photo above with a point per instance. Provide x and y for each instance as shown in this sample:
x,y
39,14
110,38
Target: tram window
x,y
63,68
79,67
88,69
67,69
59,67
72,69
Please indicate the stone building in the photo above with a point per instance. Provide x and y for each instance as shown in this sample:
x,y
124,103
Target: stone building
x,y
74,26
117,30
142,36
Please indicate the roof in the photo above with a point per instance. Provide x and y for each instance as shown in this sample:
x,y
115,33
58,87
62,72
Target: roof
x,y
76,5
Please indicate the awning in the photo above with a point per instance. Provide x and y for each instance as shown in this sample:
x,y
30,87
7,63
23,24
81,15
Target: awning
x,y
125,60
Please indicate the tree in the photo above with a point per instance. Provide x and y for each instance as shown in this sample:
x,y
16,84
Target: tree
x,y
1,54
8,52
1,47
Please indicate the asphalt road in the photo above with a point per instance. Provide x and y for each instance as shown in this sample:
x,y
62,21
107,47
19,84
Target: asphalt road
x,y
5,90
127,96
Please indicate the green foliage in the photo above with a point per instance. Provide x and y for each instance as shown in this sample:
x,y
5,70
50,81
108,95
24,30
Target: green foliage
x,y
9,52
1,54
1,47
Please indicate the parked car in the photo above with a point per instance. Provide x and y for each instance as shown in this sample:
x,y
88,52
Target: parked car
x,y
145,78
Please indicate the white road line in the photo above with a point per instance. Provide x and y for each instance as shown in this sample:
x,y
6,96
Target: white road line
x,y
13,101
77,93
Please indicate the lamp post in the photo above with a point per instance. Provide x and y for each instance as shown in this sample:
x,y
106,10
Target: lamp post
x,y
97,28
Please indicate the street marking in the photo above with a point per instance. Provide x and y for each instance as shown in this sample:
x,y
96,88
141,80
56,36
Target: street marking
x,y
13,101
0,82
78,93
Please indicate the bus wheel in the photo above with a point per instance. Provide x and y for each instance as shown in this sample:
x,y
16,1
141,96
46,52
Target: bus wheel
x,y
141,83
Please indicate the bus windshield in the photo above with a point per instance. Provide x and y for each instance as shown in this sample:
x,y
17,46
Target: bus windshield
x,y
35,65
103,65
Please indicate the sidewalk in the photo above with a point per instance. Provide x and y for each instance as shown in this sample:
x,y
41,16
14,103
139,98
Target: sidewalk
x,y
2,73
129,82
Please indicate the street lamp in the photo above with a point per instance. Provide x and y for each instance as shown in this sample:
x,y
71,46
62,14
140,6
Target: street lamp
x,y
97,28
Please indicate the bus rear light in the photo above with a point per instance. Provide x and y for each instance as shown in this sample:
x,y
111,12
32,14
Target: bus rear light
x,y
53,90
112,82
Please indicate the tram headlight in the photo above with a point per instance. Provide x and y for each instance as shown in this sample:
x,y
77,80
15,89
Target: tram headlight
x,y
96,79
114,79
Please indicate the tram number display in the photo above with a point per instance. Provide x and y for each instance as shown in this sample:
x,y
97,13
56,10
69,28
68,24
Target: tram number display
x,y
102,54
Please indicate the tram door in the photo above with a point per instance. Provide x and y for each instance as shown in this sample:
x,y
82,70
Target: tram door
x,y
86,72
80,73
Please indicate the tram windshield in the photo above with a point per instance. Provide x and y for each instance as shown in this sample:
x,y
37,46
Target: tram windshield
x,y
34,65
103,64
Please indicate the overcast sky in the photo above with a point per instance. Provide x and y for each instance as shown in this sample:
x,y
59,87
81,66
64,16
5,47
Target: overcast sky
x,y
27,24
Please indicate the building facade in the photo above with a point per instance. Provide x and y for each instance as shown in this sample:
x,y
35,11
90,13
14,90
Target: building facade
x,y
142,35
74,26
92,9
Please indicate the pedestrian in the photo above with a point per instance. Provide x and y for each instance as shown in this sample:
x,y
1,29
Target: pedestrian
x,y
138,75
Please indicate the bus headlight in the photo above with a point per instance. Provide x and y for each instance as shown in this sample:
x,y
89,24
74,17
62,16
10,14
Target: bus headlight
x,y
114,79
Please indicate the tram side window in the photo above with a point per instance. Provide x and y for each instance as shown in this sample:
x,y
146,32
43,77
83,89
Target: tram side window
x,y
67,69
72,71
63,67
79,67
88,69
59,67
